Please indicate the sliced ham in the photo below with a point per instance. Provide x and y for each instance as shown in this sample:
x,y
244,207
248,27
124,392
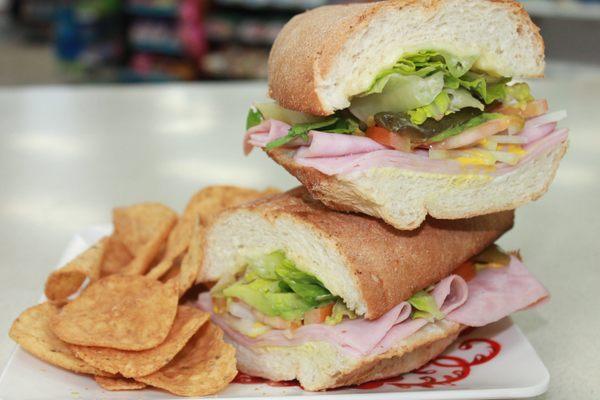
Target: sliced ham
x,y
418,161
491,295
497,292
336,144
350,335
336,154
263,133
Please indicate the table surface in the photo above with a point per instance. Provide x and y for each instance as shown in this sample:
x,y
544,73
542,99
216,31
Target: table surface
x,y
69,154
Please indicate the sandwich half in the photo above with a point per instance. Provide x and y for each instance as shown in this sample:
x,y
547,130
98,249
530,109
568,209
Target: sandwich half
x,y
399,109
335,299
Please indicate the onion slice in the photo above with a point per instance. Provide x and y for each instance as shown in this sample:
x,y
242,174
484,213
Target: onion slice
x,y
474,134
546,119
508,139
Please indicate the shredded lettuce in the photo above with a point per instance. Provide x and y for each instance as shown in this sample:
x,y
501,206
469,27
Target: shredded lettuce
x,y
398,93
338,313
461,88
425,307
274,286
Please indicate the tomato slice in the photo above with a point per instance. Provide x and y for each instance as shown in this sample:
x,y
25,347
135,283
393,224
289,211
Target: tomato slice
x,y
388,138
318,315
466,270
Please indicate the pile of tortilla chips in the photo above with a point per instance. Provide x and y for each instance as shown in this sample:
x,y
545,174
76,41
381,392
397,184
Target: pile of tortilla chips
x,y
127,326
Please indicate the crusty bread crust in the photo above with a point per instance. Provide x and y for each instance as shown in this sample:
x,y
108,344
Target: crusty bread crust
x,y
345,193
311,44
323,367
387,265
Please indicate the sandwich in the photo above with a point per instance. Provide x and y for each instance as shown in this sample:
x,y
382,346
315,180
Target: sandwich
x,y
335,299
399,109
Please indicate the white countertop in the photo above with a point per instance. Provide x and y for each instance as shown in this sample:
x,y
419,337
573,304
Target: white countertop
x,y
69,154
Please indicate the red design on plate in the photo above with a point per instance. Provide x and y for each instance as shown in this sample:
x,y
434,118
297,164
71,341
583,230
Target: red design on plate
x,y
442,370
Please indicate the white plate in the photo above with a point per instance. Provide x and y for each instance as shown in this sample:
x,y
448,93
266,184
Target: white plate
x,y
496,361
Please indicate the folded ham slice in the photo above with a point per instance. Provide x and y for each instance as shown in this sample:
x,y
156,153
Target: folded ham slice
x,y
490,296
497,292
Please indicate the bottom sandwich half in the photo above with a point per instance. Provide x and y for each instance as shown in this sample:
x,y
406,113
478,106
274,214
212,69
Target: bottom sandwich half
x,y
320,365
335,299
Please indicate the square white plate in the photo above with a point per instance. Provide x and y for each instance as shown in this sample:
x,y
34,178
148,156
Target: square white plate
x,y
495,362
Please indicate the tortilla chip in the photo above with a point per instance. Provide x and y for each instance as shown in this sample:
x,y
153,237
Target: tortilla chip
x,y
212,200
137,225
120,312
149,252
67,280
140,363
116,258
206,205
118,383
173,272
32,331
204,366
176,245
192,260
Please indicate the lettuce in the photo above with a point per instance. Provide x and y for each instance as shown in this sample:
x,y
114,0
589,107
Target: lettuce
x,y
395,89
274,286
300,131
267,297
338,313
345,125
436,109
425,307
253,118
398,93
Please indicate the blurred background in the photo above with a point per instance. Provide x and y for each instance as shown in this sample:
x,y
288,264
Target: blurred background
x,y
132,41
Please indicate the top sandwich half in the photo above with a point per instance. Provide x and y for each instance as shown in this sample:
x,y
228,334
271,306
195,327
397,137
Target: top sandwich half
x,y
399,109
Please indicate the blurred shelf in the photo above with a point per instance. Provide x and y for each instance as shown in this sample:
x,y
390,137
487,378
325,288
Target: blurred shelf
x,y
157,48
132,76
282,5
563,9
152,12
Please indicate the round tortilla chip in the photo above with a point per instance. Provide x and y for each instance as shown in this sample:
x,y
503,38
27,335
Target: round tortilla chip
x,y
68,279
32,331
204,366
118,383
127,312
139,363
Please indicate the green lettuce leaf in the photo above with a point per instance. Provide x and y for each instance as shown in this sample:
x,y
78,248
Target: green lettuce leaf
x,y
436,109
300,131
337,124
274,286
267,297
254,118
304,285
425,306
